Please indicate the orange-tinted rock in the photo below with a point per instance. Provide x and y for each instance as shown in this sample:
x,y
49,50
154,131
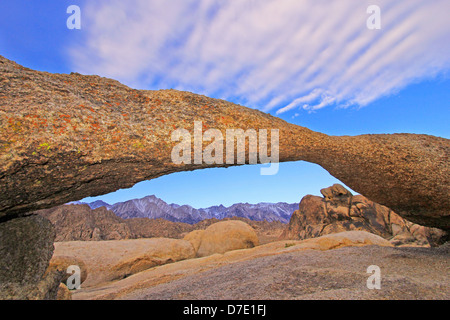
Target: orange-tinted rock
x,y
65,137
339,211
62,263
117,259
63,293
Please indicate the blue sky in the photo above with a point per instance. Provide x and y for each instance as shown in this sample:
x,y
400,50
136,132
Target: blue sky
x,y
312,63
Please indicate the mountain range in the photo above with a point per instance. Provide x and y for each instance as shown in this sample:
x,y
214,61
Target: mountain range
x,y
152,207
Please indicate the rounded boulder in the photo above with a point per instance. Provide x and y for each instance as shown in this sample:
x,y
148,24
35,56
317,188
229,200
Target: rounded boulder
x,y
225,236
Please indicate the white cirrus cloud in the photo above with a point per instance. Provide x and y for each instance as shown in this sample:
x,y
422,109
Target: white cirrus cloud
x,y
276,55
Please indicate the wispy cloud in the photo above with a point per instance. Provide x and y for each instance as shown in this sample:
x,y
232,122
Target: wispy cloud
x,y
269,54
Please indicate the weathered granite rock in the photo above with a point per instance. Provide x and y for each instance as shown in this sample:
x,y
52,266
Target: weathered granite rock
x,y
64,137
314,269
223,236
26,247
195,238
61,263
337,195
63,293
340,211
80,222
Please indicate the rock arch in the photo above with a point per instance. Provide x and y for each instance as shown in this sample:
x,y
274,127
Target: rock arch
x,y
64,137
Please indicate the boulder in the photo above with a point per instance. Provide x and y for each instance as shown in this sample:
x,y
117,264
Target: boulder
x,y
117,259
63,293
65,137
340,211
61,263
26,247
45,289
226,236
195,238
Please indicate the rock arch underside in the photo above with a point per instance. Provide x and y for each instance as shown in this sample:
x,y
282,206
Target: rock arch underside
x,y
65,137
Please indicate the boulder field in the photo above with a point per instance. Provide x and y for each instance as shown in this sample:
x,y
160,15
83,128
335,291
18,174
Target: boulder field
x,y
104,264
109,260
64,137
